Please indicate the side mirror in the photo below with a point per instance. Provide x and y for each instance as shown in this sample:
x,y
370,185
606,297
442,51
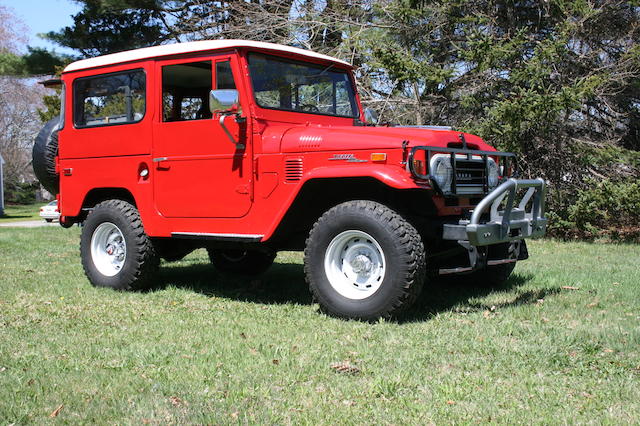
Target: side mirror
x,y
223,101
370,116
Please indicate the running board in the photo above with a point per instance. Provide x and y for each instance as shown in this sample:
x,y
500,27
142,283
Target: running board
x,y
244,238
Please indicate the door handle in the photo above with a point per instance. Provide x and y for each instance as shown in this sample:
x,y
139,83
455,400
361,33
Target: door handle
x,y
158,161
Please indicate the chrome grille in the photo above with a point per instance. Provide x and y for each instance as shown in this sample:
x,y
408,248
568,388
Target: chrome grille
x,y
470,176
470,166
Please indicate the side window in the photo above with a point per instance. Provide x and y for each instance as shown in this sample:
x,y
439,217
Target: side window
x,y
224,77
107,99
185,91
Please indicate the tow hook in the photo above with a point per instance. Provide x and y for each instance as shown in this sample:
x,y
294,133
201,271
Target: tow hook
x,y
65,222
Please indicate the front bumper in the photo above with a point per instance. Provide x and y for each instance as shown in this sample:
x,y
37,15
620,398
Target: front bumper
x,y
490,225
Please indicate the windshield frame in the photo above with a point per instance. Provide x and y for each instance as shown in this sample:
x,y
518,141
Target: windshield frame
x,y
335,67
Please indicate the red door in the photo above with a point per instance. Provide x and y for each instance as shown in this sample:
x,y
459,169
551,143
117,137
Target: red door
x,y
199,172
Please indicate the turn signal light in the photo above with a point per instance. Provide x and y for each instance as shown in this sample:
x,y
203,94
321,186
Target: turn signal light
x,y
419,167
379,156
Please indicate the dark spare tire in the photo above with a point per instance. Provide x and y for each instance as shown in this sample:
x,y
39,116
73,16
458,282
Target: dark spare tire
x,y
45,150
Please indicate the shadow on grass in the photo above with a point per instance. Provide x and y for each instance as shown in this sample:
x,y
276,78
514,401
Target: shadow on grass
x,y
446,295
284,283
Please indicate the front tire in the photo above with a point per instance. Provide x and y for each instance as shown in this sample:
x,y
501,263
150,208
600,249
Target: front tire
x,y
114,248
364,261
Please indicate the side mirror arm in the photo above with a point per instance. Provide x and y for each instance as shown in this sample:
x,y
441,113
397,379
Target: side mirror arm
x,y
225,102
226,130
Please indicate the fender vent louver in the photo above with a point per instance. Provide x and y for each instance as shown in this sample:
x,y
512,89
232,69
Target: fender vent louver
x,y
293,169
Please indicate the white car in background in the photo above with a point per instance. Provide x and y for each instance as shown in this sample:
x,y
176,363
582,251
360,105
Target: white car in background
x,y
50,211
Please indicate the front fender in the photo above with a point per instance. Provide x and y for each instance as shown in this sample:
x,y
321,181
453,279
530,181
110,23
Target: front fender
x,y
395,177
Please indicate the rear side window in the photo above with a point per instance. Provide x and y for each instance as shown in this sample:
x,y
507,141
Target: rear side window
x,y
109,99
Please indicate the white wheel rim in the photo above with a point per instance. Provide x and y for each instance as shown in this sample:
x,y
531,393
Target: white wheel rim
x,y
108,249
354,264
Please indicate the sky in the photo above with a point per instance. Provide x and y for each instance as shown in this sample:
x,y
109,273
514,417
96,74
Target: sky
x,y
42,16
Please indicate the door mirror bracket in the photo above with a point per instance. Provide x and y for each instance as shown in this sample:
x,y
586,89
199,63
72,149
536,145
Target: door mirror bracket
x,y
225,103
229,135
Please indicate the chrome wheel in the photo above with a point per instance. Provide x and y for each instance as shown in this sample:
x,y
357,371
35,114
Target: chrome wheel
x,y
108,249
354,264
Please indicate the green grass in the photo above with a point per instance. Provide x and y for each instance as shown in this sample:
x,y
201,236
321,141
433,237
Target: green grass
x,y
204,348
19,212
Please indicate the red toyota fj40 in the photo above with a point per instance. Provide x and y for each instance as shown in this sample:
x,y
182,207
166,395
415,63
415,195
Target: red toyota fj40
x,y
247,148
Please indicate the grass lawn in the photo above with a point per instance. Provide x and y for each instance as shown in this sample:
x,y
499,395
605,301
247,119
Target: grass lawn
x,y
558,343
15,213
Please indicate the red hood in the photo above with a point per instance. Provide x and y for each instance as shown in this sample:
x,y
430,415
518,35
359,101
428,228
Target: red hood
x,y
339,138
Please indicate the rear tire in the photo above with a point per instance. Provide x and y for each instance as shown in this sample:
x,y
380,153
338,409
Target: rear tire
x,y
364,261
114,248
244,262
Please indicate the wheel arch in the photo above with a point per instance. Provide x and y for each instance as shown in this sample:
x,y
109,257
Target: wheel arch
x,y
96,196
317,195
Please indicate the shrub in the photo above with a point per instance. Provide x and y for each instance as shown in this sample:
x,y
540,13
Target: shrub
x,y
606,209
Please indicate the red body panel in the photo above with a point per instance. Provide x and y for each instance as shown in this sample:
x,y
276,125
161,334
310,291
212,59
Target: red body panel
x,y
200,182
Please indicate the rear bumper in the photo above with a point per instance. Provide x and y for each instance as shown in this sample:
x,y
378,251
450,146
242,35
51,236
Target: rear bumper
x,y
489,225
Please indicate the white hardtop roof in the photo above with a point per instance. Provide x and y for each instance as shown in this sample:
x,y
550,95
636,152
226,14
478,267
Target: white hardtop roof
x,y
189,47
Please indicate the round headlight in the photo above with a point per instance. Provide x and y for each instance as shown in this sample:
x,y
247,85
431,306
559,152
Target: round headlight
x,y
441,171
493,173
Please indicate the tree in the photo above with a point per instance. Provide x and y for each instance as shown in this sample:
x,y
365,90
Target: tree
x,y
557,82
20,123
19,100
108,26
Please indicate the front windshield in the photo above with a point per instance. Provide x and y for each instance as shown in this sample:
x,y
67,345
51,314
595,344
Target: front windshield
x,y
301,87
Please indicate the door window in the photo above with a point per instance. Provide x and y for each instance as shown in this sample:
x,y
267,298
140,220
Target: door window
x,y
185,91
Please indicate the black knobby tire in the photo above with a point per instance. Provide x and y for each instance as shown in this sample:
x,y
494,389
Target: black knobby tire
x,y
45,150
141,260
395,238
244,262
